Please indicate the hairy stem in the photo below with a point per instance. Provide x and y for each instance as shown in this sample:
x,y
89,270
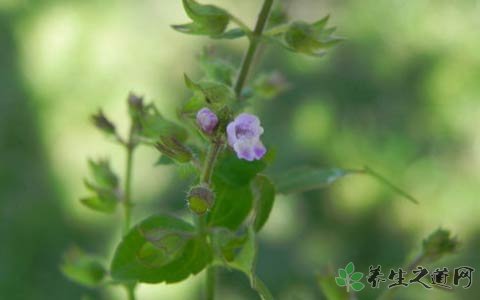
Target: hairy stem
x,y
252,49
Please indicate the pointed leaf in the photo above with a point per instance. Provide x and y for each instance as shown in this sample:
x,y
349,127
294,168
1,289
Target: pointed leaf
x,y
100,203
342,273
207,19
264,197
245,262
304,179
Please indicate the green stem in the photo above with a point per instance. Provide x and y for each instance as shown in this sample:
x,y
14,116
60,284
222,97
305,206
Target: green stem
x,y
211,280
127,201
210,161
252,49
130,292
218,143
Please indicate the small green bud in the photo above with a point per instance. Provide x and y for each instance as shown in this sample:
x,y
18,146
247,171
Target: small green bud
x,y
438,244
200,199
103,123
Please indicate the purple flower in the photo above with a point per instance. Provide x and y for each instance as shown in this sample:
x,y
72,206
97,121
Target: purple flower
x,y
207,120
244,137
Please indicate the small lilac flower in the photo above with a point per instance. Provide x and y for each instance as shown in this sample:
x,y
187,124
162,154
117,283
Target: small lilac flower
x,y
207,120
244,137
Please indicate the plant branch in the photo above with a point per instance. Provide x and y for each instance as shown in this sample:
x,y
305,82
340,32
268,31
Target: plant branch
x,y
127,201
217,144
254,42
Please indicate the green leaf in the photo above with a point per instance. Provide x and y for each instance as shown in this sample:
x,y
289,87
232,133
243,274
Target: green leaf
x,y
245,261
356,276
308,38
213,92
238,172
161,248
207,19
216,69
350,268
164,161
264,197
304,179
155,126
357,286
101,202
232,205
340,281
232,34
226,244
82,268
269,86
103,175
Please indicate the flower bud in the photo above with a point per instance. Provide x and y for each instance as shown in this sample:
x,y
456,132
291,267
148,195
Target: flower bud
x,y
101,122
207,120
136,107
200,199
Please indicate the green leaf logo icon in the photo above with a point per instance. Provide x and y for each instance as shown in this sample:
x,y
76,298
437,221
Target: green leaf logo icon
x,y
349,278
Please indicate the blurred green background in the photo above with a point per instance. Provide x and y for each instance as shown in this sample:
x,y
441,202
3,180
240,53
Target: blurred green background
x,y
400,95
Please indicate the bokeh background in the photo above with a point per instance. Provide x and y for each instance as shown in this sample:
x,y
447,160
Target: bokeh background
x,y
400,95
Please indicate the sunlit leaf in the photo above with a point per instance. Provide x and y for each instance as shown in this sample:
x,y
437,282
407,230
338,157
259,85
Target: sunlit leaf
x,y
103,175
207,19
82,268
104,203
